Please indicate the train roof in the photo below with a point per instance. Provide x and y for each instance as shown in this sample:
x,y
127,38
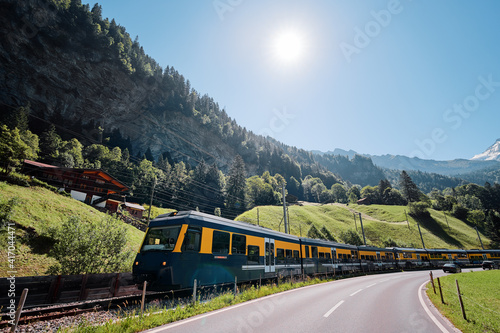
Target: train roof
x,y
211,220
326,243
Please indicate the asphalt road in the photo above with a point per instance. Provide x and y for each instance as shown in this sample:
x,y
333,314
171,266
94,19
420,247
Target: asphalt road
x,y
377,303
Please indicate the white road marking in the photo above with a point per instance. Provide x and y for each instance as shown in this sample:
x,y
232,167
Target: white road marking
x,y
354,293
429,313
333,309
371,285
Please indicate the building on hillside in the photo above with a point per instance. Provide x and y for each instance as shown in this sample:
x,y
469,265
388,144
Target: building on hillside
x,y
364,201
134,209
92,186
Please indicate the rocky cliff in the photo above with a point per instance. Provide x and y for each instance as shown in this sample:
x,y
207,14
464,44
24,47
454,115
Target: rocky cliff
x,y
75,74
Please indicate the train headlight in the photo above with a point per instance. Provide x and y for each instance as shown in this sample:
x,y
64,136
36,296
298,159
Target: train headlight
x,y
164,263
136,263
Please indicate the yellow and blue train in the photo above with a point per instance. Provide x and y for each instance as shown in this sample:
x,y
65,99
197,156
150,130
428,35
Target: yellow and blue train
x,y
181,247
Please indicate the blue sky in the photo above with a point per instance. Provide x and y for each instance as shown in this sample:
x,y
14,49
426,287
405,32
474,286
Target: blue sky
x,y
414,78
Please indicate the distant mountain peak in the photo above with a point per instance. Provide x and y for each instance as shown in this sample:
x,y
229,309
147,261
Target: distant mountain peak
x,y
491,154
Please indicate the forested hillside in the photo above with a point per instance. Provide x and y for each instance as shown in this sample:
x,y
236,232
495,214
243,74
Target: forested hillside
x,y
78,91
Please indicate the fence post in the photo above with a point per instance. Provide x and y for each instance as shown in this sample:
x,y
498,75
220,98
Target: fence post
x,y
194,291
460,299
432,281
235,285
19,309
143,297
440,291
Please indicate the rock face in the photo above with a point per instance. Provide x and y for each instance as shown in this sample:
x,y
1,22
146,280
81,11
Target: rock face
x,y
67,73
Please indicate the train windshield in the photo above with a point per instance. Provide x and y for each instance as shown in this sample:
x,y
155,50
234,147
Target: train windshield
x,y
161,239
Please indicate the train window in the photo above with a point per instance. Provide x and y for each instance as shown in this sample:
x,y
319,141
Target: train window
x,y
220,242
253,254
314,251
192,240
288,253
161,239
296,254
307,251
280,254
239,244
327,255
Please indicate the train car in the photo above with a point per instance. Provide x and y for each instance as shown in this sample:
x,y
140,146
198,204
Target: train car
x,y
476,257
320,256
374,258
179,248
439,257
411,258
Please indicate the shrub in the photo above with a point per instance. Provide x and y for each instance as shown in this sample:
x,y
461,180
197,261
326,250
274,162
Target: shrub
x,y
419,209
88,248
460,212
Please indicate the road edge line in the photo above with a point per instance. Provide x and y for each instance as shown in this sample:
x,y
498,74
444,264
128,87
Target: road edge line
x,y
428,311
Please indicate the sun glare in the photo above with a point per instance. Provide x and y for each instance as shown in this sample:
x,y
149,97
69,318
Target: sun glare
x,y
288,46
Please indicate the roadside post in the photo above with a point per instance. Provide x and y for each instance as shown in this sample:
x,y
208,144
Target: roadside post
x,y
432,281
460,300
440,291
19,309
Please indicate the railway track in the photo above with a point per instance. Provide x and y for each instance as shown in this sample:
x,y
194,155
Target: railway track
x,y
44,313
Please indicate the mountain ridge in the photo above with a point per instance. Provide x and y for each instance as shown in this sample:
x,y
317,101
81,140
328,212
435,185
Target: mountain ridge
x,y
400,162
490,154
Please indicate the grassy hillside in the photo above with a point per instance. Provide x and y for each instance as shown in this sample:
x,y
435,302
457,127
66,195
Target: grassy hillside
x,y
380,223
39,209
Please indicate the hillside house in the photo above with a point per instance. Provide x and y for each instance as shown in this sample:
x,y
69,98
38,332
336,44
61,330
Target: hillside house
x,y
364,201
135,210
92,186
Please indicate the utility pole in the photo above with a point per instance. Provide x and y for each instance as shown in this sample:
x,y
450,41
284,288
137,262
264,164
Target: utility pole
x,y
362,229
258,222
151,201
421,235
479,238
284,209
407,221
355,224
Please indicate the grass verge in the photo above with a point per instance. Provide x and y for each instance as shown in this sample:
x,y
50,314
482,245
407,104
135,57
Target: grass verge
x,y
481,298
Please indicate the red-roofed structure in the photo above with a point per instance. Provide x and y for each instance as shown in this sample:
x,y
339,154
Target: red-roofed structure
x,y
92,186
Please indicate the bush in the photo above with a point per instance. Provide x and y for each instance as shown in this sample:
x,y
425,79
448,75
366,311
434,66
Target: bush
x,y
351,237
460,212
419,209
89,248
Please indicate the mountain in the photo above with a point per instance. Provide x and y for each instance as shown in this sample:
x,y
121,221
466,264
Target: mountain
x,y
85,75
448,168
491,154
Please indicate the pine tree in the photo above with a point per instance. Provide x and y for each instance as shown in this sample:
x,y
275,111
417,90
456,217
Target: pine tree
x,y
235,187
409,190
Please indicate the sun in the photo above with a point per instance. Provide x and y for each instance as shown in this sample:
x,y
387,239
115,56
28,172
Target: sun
x,y
288,46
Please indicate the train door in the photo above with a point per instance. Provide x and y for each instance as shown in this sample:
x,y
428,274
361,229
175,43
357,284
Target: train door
x,y
334,256
269,256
